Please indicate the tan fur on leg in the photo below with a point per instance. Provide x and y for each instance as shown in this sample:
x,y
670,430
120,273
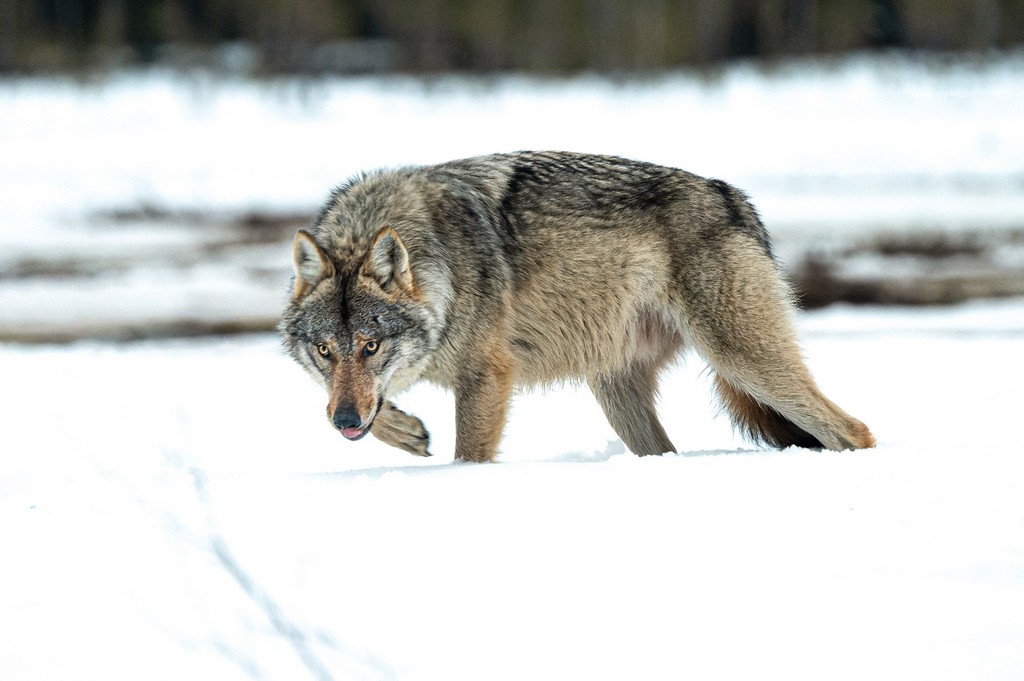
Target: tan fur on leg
x,y
482,397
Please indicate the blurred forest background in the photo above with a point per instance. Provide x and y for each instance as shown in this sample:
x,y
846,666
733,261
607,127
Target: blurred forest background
x,y
556,36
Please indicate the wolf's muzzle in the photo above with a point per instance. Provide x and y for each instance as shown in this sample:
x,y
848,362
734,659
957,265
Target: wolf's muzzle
x,y
349,422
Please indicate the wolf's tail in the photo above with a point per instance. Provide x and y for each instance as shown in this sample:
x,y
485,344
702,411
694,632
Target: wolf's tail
x,y
759,422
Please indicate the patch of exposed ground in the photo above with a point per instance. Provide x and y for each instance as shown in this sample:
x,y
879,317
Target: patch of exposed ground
x,y
912,268
149,272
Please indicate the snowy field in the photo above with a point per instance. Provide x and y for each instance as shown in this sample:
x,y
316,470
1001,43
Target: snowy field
x,y
183,510
180,509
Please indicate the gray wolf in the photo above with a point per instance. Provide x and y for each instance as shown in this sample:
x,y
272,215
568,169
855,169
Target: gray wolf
x,y
487,274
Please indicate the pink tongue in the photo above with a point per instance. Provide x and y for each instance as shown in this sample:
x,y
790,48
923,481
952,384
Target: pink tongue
x,y
351,432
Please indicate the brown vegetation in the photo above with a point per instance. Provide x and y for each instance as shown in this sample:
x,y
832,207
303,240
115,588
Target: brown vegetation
x,y
919,268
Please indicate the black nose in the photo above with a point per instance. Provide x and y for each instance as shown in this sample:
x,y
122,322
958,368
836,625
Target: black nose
x,y
346,417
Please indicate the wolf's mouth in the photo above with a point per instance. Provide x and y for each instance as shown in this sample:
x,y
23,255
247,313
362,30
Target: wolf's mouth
x,y
354,434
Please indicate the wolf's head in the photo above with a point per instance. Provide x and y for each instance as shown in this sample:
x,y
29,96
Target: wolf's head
x,y
357,323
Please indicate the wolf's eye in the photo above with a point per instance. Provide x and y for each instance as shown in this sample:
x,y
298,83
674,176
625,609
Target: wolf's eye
x,y
323,349
370,348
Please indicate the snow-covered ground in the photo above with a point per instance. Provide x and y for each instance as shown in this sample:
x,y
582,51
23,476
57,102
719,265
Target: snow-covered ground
x,y
181,509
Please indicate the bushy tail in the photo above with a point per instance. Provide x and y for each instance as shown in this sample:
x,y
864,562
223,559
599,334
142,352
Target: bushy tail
x,y
759,422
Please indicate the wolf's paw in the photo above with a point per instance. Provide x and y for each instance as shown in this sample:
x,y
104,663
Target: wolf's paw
x,y
401,430
471,458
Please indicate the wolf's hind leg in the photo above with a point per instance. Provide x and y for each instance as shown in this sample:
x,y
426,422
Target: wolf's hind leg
x,y
627,398
398,429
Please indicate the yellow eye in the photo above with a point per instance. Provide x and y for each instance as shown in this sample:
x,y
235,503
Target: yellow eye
x,y
370,348
323,349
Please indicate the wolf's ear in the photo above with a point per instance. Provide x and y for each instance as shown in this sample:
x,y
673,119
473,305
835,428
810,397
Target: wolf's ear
x,y
311,264
388,262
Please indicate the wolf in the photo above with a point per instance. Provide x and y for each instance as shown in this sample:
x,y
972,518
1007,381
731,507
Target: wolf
x,y
488,274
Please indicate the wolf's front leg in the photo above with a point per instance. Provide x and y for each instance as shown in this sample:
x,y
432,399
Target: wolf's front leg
x,y
482,396
398,429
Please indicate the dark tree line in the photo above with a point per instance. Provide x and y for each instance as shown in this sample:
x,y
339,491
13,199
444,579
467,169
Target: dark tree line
x,y
437,35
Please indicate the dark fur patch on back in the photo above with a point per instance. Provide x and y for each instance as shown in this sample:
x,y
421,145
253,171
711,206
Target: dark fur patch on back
x,y
522,175
602,183
742,215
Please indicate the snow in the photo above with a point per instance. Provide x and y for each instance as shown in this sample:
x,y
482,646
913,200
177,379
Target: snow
x,y
181,509
879,134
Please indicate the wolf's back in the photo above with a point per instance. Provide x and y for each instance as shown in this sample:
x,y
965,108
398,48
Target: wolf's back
x,y
584,192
